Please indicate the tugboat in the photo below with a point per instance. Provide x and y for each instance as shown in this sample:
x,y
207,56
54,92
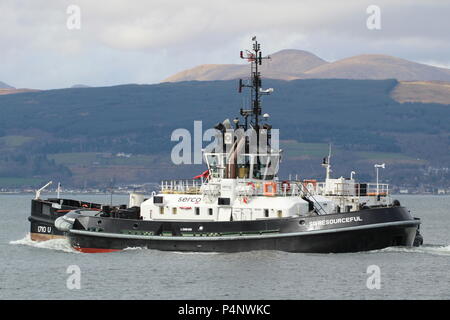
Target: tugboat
x,y
239,203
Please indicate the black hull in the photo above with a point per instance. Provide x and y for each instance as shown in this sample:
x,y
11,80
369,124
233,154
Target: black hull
x,y
42,229
329,242
45,212
348,232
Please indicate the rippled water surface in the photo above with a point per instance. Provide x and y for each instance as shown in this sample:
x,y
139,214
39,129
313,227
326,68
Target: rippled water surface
x,y
31,270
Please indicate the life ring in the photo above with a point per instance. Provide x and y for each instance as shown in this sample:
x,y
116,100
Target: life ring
x,y
285,186
270,189
308,183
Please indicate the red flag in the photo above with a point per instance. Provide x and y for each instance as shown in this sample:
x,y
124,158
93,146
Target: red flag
x,y
203,175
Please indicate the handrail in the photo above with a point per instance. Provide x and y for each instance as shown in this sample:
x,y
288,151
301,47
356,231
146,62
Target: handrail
x,y
284,188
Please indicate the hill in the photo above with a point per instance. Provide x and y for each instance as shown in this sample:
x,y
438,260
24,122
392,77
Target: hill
x,y
283,65
422,91
80,135
377,66
13,91
5,86
298,64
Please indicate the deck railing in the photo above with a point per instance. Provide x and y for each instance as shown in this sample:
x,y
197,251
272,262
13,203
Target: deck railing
x,y
244,187
270,188
281,188
354,189
181,186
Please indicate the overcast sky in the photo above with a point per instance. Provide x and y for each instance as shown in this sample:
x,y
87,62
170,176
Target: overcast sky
x,y
146,41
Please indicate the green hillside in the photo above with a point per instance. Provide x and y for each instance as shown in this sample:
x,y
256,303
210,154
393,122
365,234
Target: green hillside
x,y
75,134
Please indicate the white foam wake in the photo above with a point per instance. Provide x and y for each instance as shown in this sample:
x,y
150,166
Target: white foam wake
x,y
195,253
53,244
133,248
441,250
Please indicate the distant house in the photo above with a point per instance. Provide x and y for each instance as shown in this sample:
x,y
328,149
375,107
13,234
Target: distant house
x,y
123,155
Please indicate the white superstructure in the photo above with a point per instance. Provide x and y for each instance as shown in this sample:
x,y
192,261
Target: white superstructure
x,y
225,199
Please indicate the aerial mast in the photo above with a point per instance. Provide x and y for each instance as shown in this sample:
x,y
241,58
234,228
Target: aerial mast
x,y
252,115
255,58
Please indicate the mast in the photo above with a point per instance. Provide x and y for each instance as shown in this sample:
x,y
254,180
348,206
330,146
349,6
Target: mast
x,y
252,115
327,163
255,58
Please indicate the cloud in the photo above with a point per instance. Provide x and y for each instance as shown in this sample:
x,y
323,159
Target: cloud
x,y
147,40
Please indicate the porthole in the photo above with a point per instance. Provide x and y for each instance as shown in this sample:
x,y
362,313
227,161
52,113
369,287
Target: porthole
x,y
135,226
301,222
99,222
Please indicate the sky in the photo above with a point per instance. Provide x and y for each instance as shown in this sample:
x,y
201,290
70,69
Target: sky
x,y
145,41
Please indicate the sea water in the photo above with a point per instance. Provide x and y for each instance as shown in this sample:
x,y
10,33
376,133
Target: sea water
x,y
44,270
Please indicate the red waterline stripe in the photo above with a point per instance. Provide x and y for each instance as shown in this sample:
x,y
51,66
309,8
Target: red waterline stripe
x,y
95,250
